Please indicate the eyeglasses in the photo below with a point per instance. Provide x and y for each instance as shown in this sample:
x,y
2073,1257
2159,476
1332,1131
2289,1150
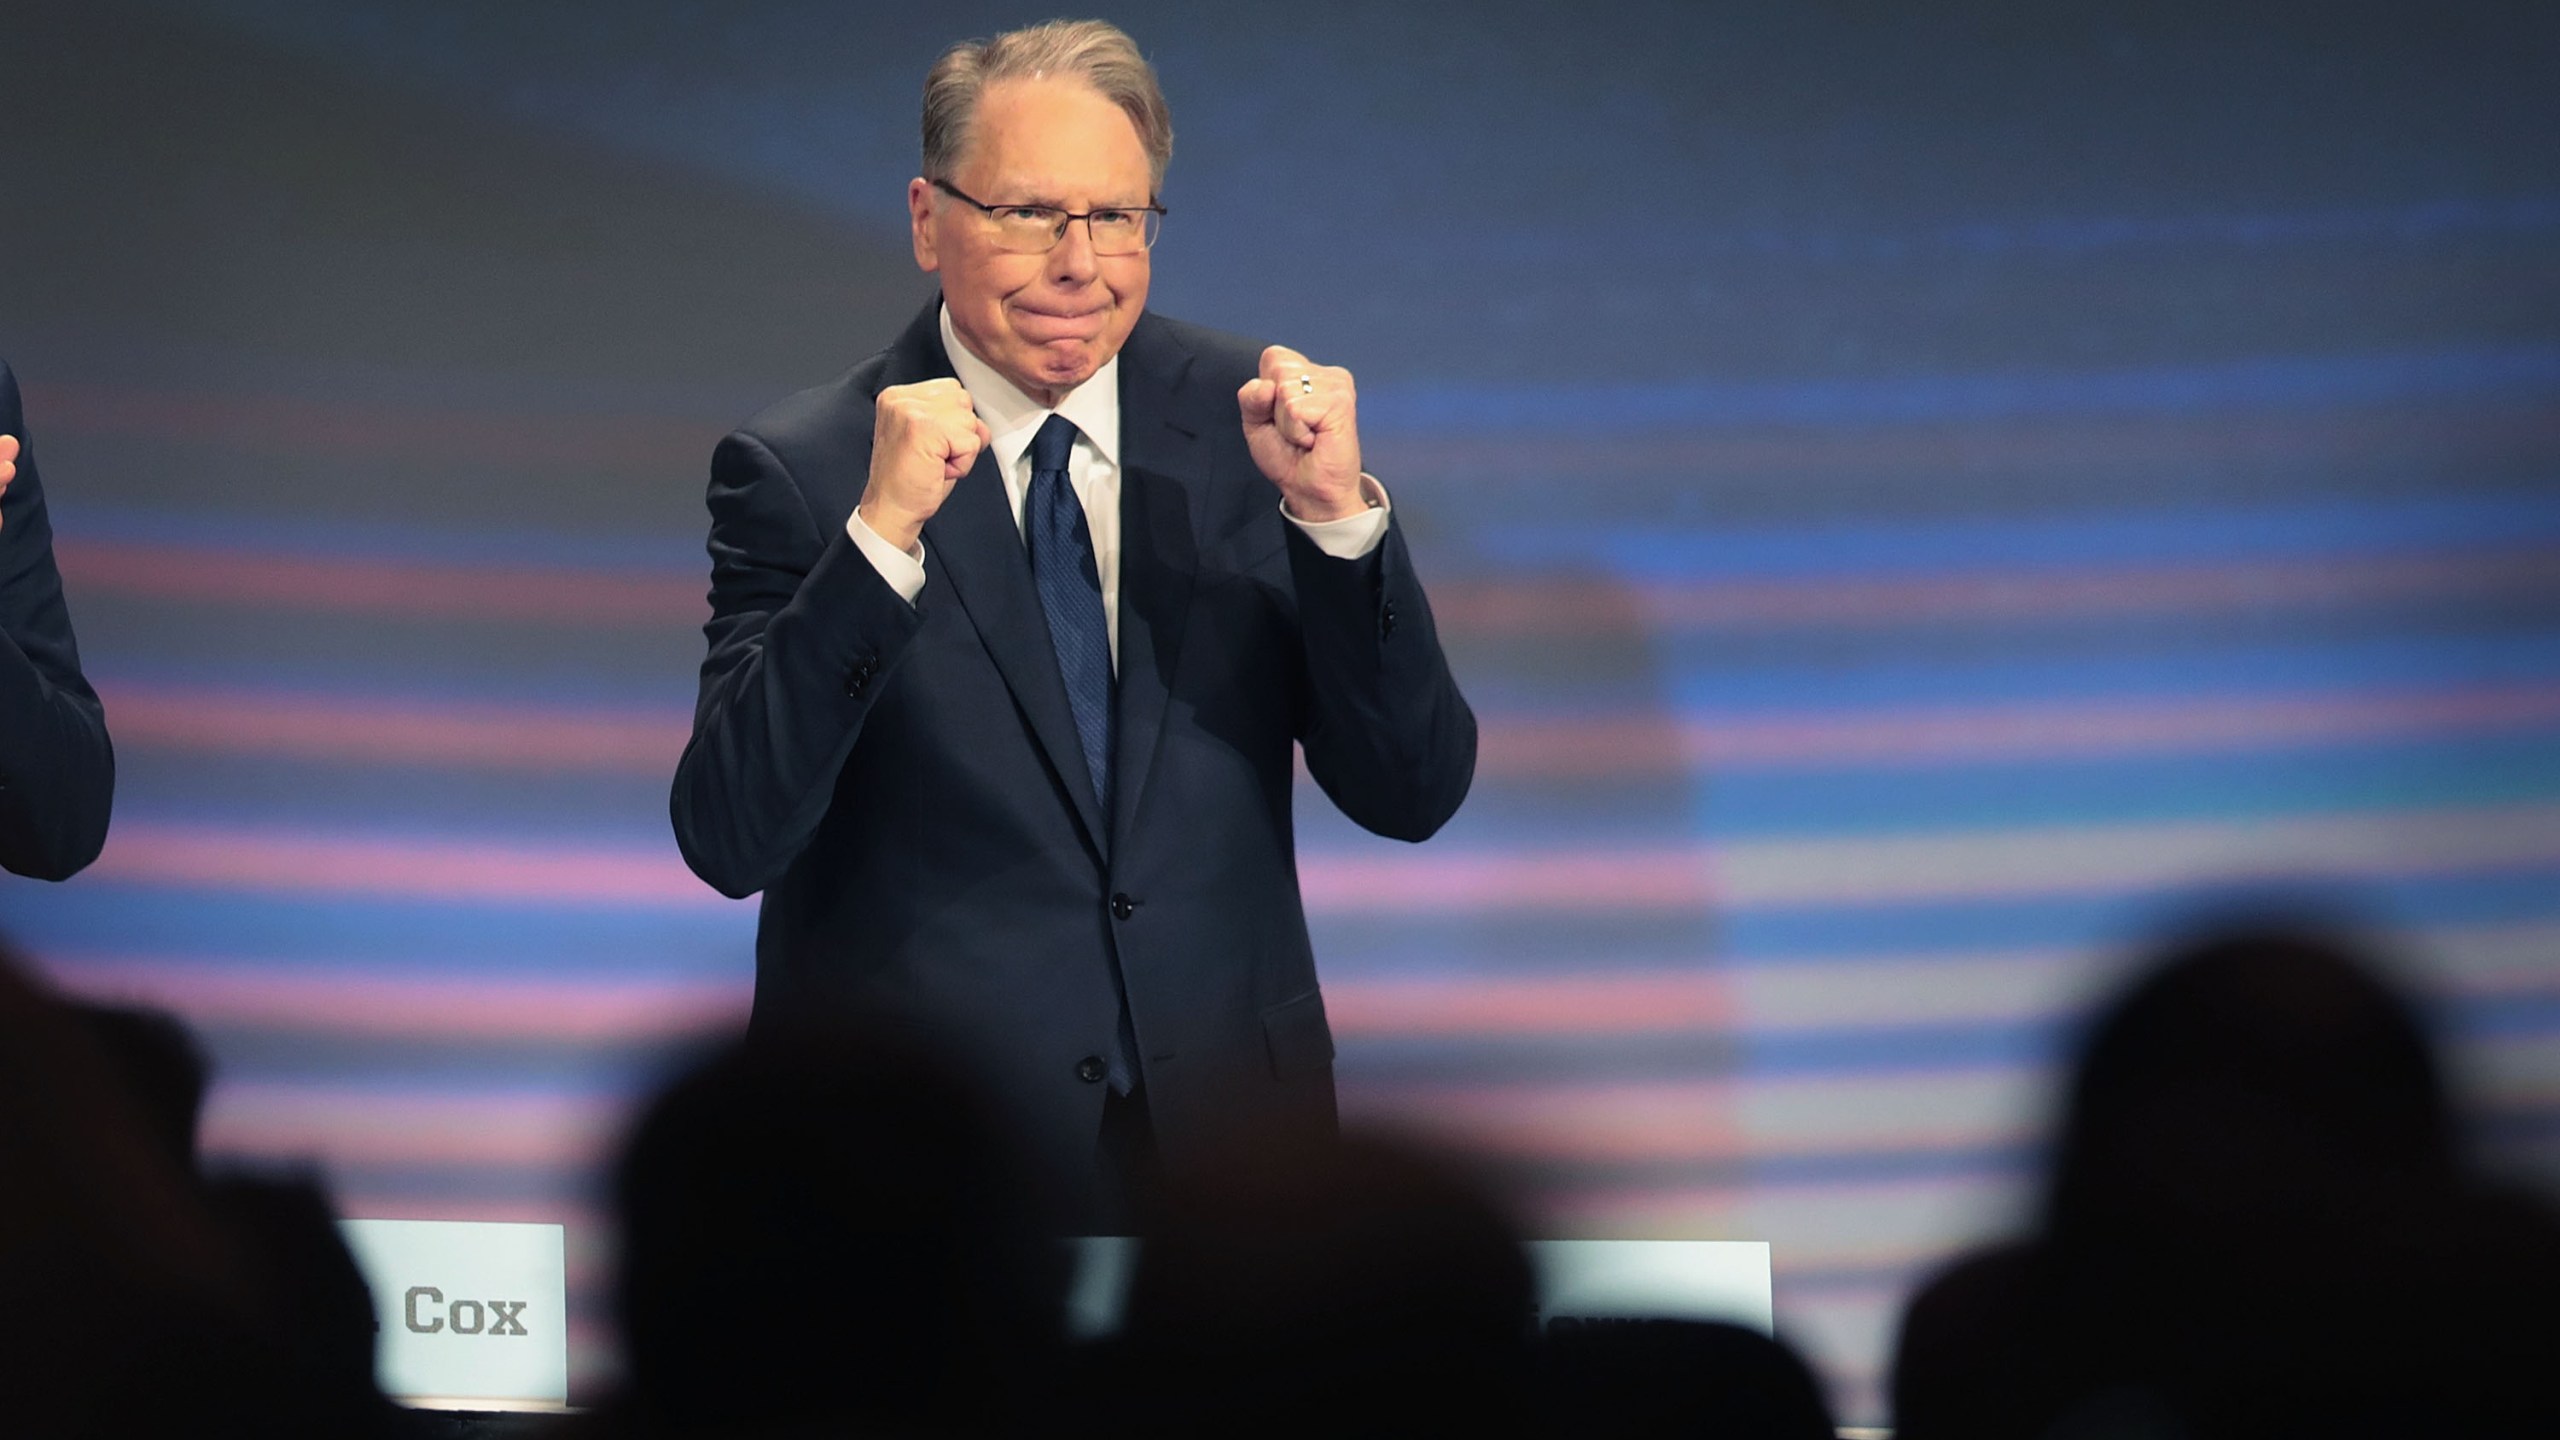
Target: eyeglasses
x,y
1037,229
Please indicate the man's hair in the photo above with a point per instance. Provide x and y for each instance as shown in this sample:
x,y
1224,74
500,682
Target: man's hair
x,y
1094,51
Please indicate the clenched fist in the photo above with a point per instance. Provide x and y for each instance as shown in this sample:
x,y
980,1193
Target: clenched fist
x,y
8,461
924,437
1301,421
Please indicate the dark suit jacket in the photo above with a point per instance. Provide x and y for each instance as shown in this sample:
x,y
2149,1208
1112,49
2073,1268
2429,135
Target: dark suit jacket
x,y
906,788
57,773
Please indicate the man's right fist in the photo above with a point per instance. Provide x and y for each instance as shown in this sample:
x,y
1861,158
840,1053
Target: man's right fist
x,y
924,437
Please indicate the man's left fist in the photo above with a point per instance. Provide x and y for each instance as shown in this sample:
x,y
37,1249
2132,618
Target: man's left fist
x,y
1301,421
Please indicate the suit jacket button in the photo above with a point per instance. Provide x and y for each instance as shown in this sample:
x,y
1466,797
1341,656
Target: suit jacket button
x,y
1091,1070
1122,907
859,678
1386,619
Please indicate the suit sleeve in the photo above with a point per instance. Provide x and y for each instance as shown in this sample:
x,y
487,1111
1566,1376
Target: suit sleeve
x,y
804,635
57,771
1387,735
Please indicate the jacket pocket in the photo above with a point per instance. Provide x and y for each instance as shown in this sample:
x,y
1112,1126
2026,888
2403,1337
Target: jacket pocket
x,y
1300,1041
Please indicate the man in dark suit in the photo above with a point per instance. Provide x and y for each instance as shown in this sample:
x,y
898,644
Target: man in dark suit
x,y
57,773
1014,628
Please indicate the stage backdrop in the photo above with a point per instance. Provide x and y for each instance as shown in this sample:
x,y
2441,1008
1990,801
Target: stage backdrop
x,y
1913,493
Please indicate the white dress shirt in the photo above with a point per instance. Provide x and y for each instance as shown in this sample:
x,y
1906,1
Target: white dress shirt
x,y
1093,470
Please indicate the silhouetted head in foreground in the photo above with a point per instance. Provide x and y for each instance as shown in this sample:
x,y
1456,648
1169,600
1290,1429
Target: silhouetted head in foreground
x,y
1361,1288
124,1307
312,1302
160,1064
1640,1379
826,1230
2257,1224
2255,1078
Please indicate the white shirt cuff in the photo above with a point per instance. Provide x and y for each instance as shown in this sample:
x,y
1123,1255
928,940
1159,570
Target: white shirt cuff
x,y
904,570
1348,538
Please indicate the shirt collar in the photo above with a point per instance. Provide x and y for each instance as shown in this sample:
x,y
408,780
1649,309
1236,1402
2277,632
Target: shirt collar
x,y
1013,417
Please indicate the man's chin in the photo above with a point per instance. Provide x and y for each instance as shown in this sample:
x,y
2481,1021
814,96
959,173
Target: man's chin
x,y
1069,370
1064,369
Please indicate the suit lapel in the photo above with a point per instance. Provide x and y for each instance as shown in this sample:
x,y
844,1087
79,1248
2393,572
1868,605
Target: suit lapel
x,y
1159,552
973,544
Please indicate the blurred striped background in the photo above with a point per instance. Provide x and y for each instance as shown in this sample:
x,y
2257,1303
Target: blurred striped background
x,y
1917,503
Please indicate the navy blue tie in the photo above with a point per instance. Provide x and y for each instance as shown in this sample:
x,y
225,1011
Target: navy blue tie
x,y
1071,594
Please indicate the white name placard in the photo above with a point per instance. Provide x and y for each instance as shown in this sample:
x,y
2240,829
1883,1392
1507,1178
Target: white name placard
x,y
1724,1280
467,1312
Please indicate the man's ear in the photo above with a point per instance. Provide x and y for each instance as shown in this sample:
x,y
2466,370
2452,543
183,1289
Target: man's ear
x,y
920,222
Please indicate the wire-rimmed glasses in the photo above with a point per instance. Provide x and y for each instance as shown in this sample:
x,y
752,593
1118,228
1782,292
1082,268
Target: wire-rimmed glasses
x,y
1037,229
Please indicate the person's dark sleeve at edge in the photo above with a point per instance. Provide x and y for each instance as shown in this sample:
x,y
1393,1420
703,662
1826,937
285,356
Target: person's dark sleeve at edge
x,y
57,770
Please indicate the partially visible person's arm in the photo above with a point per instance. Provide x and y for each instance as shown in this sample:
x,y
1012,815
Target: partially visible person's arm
x,y
57,771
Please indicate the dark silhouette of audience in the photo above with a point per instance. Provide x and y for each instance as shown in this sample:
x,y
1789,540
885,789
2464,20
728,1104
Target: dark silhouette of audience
x,y
825,1232
1659,1379
1375,1286
136,1300
163,1070
309,1295
121,1307
1358,1288
2256,1225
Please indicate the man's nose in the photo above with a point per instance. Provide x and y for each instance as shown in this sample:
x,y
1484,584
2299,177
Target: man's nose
x,y
1071,260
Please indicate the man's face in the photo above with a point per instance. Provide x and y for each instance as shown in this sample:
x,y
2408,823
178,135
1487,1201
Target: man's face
x,y
1045,322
